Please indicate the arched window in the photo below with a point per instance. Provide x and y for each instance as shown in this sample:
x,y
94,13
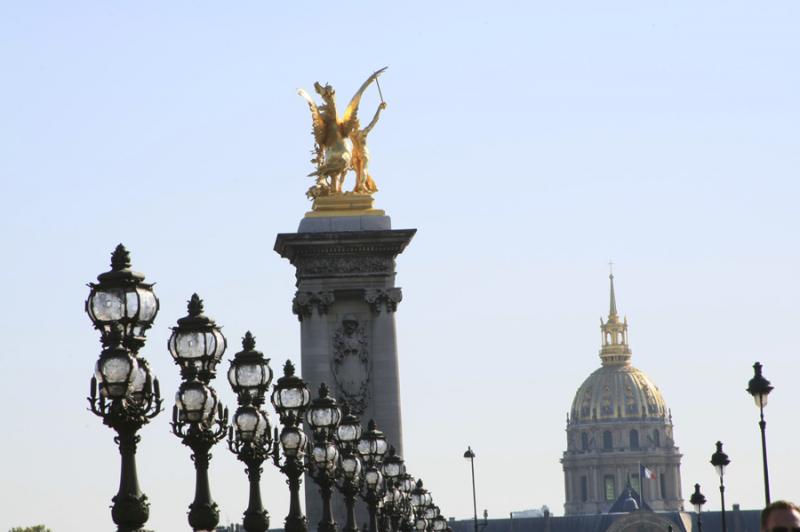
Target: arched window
x,y
634,439
657,438
607,441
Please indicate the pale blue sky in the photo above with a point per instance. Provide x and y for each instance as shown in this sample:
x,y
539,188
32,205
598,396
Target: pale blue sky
x,y
528,142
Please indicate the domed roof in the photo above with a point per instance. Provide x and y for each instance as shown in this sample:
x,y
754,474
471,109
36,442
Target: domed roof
x,y
616,390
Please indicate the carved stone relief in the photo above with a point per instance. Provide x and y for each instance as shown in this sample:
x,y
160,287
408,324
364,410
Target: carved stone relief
x,y
351,364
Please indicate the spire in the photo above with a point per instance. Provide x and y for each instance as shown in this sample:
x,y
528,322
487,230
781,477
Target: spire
x,y
612,308
615,350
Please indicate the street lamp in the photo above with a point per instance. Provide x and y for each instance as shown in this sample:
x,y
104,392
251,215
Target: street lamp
x,y
323,416
372,446
290,398
123,391
198,418
720,461
698,500
759,388
347,435
470,455
250,436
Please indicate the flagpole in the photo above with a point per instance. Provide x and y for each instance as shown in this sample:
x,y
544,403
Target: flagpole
x,y
641,488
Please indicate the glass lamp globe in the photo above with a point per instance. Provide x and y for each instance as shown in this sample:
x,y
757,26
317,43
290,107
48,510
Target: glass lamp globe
x,y
406,483
196,402
421,524
372,445
349,430
392,464
350,464
197,344
116,370
293,442
121,297
420,498
431,512
324,455
373,479
290,395
250,423
250,374
323,415
439,524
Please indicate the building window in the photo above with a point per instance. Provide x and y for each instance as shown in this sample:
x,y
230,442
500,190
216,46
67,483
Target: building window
x,y
610,488
634,439
634,480
663,480
657,438
607,442
584,489
584,441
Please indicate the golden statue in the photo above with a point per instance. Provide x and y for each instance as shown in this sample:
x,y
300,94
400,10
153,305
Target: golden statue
x,y
340,143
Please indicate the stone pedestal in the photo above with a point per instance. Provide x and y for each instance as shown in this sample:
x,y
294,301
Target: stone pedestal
x,y
345,301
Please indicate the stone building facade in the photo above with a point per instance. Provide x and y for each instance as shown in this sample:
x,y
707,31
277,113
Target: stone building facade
x,y
619,431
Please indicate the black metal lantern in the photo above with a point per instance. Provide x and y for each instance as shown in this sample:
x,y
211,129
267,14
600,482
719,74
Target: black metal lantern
x,y
406,483
420,524
349,430
759,387
290,395
372,445
323,414
324,456
698,500
115,370
350,465
250,374
293,441
420,498
431,512
122,297
195,402
439,524
250,424
393,465
373,479
197,344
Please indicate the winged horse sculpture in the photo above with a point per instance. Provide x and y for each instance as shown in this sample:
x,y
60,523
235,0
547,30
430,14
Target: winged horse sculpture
x,y
340,143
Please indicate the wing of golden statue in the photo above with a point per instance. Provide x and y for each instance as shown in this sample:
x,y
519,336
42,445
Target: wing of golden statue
x,y
349,120
317,122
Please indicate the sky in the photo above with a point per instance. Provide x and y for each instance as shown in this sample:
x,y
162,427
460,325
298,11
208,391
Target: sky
x,y
530,143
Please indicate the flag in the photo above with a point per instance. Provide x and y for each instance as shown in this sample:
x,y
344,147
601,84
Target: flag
x,y
647,473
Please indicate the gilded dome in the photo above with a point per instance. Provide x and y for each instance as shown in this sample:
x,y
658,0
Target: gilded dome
x,y
617,391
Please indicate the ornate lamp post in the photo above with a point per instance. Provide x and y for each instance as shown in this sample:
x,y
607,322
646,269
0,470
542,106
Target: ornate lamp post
x,y
393,468
348,434
420,500
720,461
198,418
123,392
372,446
250,436
698,500
290,398
759,388
470,455
407,484
323,416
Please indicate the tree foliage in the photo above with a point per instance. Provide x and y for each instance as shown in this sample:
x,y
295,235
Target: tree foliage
x,y
36,528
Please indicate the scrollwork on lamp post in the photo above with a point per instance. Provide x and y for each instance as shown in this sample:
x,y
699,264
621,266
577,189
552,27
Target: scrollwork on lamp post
x,y
290,397
198,418
250,437
123,391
